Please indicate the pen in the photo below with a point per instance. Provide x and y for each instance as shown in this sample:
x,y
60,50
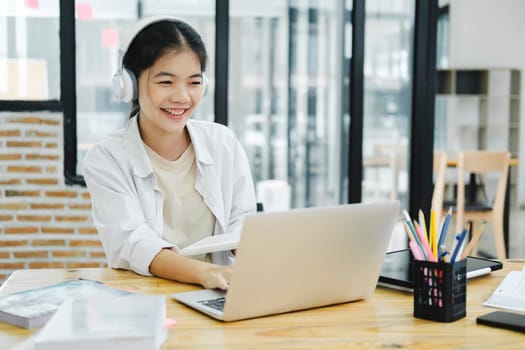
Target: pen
x,y
443,255
444,229
458,238
458,245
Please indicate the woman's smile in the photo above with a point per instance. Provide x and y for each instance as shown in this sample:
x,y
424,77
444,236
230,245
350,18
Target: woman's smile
x,y
175,113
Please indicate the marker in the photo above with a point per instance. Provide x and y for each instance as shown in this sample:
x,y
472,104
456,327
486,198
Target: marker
x,y
480,272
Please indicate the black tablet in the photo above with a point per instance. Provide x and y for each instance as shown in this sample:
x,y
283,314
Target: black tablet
x,y
503,319
396,271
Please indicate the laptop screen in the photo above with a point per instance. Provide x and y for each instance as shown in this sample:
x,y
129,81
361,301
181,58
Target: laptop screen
x,y
396,271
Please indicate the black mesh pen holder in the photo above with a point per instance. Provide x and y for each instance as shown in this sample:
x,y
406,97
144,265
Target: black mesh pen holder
x,y
440,290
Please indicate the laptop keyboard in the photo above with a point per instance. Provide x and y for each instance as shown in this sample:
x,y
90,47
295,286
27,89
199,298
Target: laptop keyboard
x,y
217,303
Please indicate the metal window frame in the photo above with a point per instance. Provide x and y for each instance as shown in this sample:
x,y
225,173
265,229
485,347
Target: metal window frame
x,y
423,95
423,99
67,102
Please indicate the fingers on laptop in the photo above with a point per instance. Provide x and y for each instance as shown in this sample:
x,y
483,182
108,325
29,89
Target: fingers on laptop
x,y
217,277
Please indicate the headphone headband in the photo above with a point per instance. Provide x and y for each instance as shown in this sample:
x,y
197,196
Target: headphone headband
x,y
140,25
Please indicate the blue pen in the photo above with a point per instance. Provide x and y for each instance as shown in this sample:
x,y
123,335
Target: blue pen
x,y
459,242
444,253
444,230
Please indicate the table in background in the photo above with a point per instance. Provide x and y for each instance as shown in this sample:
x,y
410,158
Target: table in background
x,y
384,321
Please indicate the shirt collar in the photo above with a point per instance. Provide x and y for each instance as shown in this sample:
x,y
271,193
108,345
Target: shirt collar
x,y
133,143
141,163
202,152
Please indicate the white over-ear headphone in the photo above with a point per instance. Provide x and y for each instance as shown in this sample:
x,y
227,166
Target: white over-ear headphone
x,y
124,81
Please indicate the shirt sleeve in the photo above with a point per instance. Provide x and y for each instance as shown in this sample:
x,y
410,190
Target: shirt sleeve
x,y
118,213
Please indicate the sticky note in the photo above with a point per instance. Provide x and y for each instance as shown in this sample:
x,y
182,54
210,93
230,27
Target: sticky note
x,y
110,37
84,11
32,4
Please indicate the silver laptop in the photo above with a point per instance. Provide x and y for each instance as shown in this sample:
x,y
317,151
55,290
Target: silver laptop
x,y
300,259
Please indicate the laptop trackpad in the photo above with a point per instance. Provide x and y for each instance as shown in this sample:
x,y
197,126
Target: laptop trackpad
x,y
211,298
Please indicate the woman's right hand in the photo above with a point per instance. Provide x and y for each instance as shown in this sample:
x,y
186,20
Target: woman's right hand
x,y
216,276
171,265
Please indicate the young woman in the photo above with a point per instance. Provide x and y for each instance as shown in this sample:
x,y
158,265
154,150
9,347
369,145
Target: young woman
x,y
167,181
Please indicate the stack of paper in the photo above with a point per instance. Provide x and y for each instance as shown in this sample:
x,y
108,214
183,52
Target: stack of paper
x,y
34,307
510,294
126,322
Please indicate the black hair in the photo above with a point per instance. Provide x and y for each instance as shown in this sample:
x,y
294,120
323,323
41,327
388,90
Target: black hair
x,y
157,39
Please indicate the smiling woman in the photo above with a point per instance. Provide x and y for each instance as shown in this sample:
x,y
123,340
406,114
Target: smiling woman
x,y
166,181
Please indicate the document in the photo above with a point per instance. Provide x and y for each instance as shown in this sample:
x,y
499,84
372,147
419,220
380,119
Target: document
x,y
106,323
34,307
215,243
510,294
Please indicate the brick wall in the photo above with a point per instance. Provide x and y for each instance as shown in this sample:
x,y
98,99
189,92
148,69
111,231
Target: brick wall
x,y
44,223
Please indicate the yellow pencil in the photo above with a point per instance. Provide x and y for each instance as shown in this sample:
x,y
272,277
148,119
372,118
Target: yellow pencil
x,y
433,236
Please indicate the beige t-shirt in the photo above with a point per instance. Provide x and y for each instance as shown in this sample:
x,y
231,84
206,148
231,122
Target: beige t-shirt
x,y
187,219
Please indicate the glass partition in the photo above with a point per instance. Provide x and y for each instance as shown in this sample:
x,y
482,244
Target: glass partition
x,y
285,98
387,99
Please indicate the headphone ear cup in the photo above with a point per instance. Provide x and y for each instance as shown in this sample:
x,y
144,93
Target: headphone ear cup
x,y
204,84
116,83
125,85
129,86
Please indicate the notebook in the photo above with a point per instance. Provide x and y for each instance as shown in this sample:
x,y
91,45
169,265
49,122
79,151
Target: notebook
x,y
302,258
396,271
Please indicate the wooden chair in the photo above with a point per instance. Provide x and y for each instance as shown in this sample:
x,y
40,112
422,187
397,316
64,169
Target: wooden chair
x,y
394,157
484,163
438,194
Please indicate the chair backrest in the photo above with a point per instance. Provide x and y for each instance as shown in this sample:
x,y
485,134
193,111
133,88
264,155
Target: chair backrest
x,y
397,154
438,194
482,162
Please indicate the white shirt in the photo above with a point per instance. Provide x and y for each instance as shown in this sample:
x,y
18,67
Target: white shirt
x,y
127,204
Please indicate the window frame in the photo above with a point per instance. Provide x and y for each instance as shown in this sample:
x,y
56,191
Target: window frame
x,y
66,104
423,92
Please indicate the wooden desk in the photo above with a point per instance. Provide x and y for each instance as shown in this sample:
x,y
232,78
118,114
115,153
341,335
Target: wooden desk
x,y
383,322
